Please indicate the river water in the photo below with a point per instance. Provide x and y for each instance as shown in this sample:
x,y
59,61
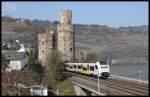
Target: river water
x,y
131,70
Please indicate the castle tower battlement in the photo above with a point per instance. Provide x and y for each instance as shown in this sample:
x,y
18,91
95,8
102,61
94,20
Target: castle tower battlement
x,y
65,17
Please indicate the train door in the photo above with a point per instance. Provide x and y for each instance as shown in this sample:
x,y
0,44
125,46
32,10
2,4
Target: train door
x,y
88,69
92,70
82,68
97,69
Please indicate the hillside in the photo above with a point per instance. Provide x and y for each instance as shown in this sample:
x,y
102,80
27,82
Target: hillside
x,y
124,45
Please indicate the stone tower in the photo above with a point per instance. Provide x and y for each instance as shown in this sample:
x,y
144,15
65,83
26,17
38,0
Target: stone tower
x,y
45,46
66,36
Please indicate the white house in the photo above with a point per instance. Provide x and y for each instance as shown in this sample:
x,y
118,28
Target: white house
x,y
39,90
17,60
22,49
16,64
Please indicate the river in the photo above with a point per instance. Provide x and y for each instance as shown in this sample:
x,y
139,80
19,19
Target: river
x,y
131,70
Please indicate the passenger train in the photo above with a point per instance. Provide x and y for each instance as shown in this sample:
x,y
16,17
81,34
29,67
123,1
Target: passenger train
x,y
100,68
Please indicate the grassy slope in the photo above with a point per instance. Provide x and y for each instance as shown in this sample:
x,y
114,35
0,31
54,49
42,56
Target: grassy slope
x,y
66,88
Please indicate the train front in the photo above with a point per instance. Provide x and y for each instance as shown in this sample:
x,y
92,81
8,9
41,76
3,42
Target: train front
x,y
104,69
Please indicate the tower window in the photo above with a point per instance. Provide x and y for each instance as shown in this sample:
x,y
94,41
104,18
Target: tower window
x,y
43,51
42,42
70,49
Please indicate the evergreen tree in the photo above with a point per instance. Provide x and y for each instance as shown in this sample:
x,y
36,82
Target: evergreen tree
x,y
30,58
52,72
3,63
56,67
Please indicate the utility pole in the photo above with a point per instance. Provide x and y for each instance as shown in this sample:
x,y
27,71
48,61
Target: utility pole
x,y
57,92
18,89
139,74
98,84
79,56
42,88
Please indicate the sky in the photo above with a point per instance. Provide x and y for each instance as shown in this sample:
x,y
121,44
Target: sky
x,y
113,14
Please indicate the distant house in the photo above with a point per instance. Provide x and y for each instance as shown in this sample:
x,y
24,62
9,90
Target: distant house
x,y
16,65
22,49
9,46
17,60
39,90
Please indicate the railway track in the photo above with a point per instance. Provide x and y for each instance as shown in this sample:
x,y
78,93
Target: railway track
x,y
127,87
135,85
119,87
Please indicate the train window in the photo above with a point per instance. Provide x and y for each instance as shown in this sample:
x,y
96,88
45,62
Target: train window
x,y
103,67
70,66
92,68
75,66
103,62
84,68
79,66
96,66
